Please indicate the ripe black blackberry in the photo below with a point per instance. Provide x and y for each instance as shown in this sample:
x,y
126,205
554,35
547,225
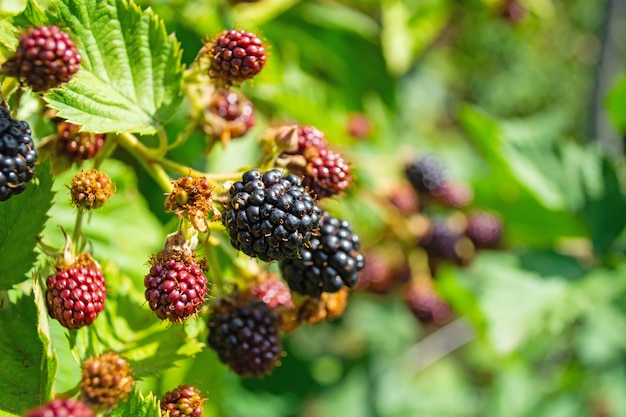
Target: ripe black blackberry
x,y
106,381
235,56
330,262
62,408
75,293
425,173
17,155
182,401
484,229
46,57
446,242
245,334
270,216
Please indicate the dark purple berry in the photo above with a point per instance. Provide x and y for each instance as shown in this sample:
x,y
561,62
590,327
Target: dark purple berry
x,y
484,229
182,401
45,58
425,173
236,56
18,156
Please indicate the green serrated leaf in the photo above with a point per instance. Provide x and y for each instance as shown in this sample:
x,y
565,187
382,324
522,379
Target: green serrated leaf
x,y
27,364
131,75
8,34
32,16
137,405
22,219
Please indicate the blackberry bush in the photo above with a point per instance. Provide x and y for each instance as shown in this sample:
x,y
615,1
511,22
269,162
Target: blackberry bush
x,y
270,216
331,262
18,155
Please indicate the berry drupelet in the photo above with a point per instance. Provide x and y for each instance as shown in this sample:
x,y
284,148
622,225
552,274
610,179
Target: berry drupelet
x,y
17,155
270,216
46,57
246,335
330,262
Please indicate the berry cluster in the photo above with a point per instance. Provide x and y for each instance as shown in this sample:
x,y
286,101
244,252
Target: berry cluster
x,y
331,261
325,172
235,56
438,224
270,216
46,57
17,155
245,333
182,401
76,293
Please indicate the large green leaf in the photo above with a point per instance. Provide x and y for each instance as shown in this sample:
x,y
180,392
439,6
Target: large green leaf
x,y
131,75
22,219
26,359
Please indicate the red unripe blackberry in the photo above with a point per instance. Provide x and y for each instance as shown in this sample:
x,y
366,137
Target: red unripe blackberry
x,y
454,194
78,146
272,290
245,335
484,229
176,288
330,262
230,115
425,173
270,216
327,174
17,155
75,294
308,136
106,381
45,58
62,408
236,56
426,304
182,401
91,189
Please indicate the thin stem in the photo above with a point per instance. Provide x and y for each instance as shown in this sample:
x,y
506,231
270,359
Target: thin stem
x,y
145,157
77,235
162,149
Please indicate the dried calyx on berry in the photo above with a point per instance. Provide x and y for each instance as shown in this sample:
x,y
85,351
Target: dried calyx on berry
x,y
106,381
182,401
315,310
91,189
17,155
270,216
76,293
245,333
229,115
235,56
176,286
61,407
190,198
46,57
324,172
331,261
